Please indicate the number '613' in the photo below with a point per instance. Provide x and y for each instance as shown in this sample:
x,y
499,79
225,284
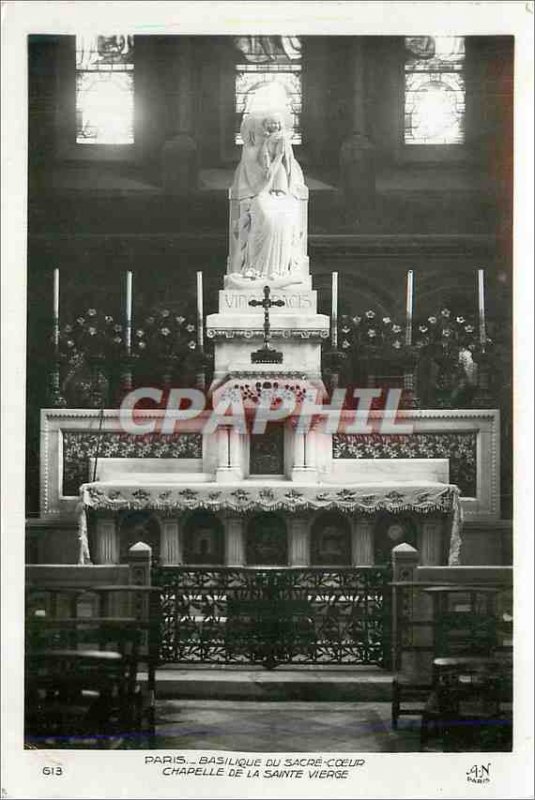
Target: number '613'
x,y
52,771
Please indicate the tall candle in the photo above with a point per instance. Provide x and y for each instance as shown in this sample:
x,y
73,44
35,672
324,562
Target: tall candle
x,y
200,313
128,312
481,305
56,293
56,308
334,310
410,295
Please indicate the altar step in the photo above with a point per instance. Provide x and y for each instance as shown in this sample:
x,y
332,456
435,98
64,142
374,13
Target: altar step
x,y
342,684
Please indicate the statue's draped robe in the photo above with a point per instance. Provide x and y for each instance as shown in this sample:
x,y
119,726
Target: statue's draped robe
x,y
269,213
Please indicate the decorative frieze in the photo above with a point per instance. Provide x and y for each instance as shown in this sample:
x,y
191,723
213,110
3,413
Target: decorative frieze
x,y
276,333
459,448
80,446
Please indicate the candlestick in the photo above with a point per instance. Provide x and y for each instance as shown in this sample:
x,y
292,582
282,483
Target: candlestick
x,y
200,313
481,306
56,310
334,311
128,312
410,293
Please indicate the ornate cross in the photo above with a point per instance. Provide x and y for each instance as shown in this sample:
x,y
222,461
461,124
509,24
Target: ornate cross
x,y
266,354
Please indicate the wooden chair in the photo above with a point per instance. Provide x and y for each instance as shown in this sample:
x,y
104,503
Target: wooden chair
x,y
82,674
470,705
465,624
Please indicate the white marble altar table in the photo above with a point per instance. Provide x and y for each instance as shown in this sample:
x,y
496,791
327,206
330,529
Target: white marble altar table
x,y
421,497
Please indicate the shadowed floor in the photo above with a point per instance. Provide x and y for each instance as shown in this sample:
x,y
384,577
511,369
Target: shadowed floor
x,y
283,727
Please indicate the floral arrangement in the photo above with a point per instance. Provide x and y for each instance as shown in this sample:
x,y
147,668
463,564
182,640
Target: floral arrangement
x,y
92,335
446,335
164,335
441,334
371,333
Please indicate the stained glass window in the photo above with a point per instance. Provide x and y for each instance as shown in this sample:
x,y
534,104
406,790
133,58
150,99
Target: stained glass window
x,y
269,71
105,89
434,90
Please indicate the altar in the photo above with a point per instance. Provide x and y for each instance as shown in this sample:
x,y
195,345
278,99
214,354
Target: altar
x,y
349,511
241,480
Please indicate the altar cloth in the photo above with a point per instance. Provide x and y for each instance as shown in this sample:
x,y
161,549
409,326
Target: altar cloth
x,y
421,497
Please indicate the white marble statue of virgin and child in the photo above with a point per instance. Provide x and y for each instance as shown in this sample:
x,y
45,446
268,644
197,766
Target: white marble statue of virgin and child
x,y
268,206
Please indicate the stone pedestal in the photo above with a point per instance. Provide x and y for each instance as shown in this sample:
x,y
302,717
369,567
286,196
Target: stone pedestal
x,y
171,542
298,541
234,541
107,540
362,541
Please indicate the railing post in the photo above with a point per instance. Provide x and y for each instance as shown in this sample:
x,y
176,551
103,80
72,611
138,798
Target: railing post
x,y
405,559
139,562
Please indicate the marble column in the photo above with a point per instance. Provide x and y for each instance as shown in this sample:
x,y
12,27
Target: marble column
x,y
234,540
298,540
107,540
304,457
362,540
229,460
171,542
432,539
299,449
310,449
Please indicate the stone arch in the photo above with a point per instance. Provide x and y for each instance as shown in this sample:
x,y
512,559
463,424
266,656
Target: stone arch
x,y
391,530
203,538
139,526
267,540
330,541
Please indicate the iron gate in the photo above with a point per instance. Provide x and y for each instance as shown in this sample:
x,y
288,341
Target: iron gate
x,y
273,616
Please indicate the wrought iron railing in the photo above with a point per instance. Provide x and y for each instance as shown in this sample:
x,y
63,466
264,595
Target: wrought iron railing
x,y
273,616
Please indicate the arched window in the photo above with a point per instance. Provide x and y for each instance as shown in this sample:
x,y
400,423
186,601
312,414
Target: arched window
x,y
105,89
269,72
434,90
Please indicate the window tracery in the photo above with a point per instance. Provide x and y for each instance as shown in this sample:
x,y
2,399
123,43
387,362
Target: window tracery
x,y
434,90
104,89
269,72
